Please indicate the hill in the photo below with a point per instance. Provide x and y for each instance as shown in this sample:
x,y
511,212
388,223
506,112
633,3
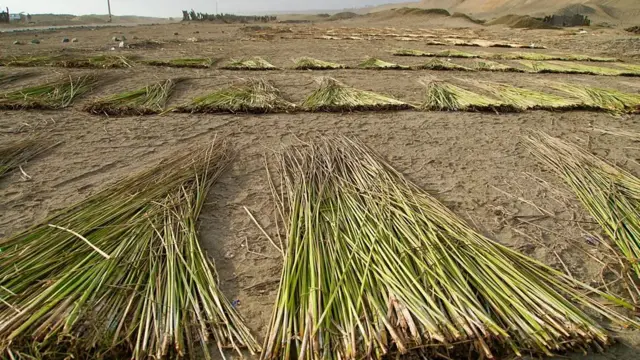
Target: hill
x,y
619,11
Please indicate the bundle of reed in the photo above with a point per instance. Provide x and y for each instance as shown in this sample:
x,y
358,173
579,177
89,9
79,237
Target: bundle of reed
x,y
570,68
437,64
121,274
600,99
95,62
307,63
256,63
444,96
17,153
150,99
410,52
334,96
197,63
6,79
526,99
377,64
53,95
452,53
250,96
525,56
375,267
609,193
488,65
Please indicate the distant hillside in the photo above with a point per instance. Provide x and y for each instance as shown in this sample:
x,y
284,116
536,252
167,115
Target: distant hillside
x,y
620,11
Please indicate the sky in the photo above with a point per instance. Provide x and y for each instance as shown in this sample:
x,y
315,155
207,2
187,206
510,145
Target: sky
x,y
172,8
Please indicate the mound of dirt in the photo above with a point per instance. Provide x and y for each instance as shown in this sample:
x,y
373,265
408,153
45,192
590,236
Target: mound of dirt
x,y
634,29
520,22
343,16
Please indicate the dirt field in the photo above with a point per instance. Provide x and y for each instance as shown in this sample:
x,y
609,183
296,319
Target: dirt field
x,y
473,162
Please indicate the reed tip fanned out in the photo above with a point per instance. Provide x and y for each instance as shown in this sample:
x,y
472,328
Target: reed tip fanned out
x,y
444,96
255,63
307,63
334,96
150,99
53,95
248,96
377,64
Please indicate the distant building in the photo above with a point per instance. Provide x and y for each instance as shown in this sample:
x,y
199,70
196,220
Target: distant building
x,y
15,17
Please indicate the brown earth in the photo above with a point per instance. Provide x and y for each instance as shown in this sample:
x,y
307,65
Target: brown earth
x,y
473,162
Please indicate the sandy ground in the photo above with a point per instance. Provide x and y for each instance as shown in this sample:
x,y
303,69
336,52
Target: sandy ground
x,y
474,163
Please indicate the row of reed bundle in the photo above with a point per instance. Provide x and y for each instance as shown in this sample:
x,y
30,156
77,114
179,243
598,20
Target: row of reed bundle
x,y
503,55
6,79
17,153
121,274
375,267
150,99
259,96
53,95
610,194
196,63
334,96
249,96
68,61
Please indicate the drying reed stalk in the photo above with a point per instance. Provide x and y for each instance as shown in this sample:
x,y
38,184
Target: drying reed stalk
x,y
334,96
53,95
17,153
307,63
377,64
255,63
444,96
150,99
376,267
121,274
251,96
609,193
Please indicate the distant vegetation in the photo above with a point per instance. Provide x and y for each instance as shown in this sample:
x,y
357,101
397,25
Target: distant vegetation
x,y
224,18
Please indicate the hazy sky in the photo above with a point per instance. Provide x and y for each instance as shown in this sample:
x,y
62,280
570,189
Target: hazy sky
x,y
172,8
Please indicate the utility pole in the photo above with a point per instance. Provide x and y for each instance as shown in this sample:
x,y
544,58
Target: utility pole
x,y
109,6
216,7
